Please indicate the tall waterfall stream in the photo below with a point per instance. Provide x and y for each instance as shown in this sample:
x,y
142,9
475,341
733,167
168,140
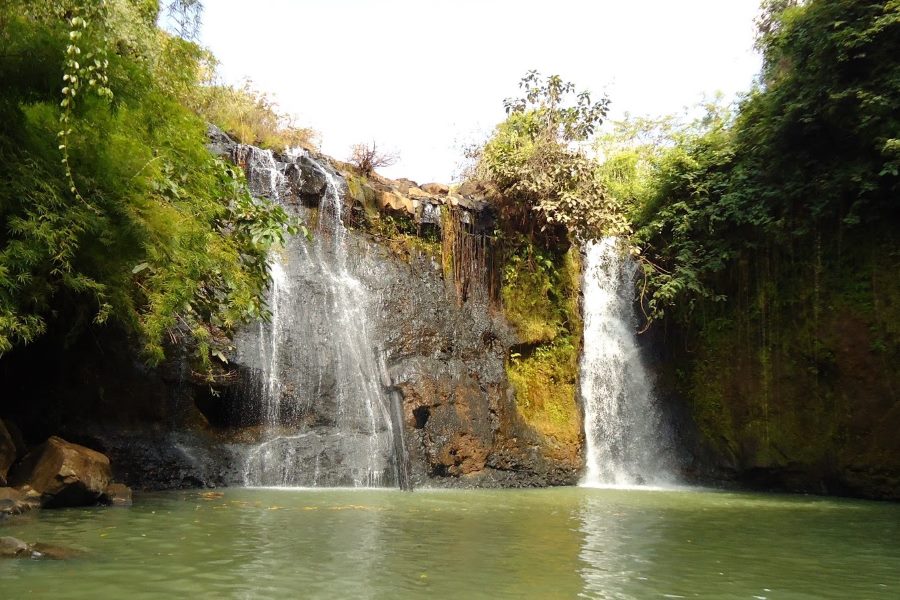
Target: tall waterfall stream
x,y
626,441
320,385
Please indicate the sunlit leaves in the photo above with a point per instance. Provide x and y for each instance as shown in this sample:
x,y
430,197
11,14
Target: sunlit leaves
x,y
535,161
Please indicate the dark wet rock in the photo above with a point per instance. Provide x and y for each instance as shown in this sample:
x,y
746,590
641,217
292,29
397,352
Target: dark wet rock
x,y
462,427
162,460
18,439
312,179
65,474
219,143
117,494
11,547
8,452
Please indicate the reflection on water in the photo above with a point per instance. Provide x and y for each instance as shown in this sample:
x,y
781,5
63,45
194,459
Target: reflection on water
x,y
563,543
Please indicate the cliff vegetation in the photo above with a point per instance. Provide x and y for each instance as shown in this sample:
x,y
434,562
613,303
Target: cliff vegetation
x,y
112,209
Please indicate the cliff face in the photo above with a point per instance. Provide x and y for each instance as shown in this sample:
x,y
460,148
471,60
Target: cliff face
x,y
790,386
427,260
434,320
793,386
447,362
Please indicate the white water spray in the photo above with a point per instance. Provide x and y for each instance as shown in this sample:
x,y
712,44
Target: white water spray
x,y
325,415
626,442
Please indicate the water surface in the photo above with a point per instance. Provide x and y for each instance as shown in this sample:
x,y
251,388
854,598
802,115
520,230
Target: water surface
x,y
556,543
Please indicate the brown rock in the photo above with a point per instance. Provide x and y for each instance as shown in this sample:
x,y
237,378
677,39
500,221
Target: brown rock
x,y
437,189
11,547
7,452
418,193
65,474
117,494
31,498
472,188
394,201
53,552
17,438
404,184
9,500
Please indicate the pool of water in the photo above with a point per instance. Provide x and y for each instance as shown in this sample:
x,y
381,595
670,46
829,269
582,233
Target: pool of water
x,y
555,543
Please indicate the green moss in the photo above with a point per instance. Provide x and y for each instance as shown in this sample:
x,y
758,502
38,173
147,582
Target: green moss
x,y
400,233
799,372
545,386
540,293
541,299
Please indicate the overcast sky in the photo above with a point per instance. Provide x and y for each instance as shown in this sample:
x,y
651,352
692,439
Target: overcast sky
x,y
422,77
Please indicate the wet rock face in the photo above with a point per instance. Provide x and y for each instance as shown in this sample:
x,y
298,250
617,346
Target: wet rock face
x,y
444,357
65,474
447,360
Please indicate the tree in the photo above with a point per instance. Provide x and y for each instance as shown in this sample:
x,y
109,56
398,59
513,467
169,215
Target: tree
x,y
810,160
366,158
537,163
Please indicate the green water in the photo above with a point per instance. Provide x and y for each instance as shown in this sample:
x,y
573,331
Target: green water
x,y
558,543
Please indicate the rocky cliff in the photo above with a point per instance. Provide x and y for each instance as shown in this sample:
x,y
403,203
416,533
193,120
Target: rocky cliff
x,y
791,383
423,252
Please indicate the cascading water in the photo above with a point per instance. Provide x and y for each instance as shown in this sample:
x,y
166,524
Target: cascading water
x,y
626,442
324,412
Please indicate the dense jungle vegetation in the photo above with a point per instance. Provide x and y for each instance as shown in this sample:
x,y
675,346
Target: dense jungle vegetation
x,y
111,208
767,230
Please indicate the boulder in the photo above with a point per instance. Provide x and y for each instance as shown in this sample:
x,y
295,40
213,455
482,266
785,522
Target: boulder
x,y
437,189
394,201
404,184
64,474
418,193
7,452
219,142
309,179
15,502
117,494
11,547
17,438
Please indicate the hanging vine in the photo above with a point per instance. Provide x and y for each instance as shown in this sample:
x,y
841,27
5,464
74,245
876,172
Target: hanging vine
x,y
83,72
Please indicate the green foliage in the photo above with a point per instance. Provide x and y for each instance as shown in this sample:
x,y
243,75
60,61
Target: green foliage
x,y
769,243
251,117
538,168
128,217
401,234
811,153
545,384
540,295
536,287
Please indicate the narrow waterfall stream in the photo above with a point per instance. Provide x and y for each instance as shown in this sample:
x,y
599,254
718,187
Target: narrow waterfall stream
x,y
626,441
324,410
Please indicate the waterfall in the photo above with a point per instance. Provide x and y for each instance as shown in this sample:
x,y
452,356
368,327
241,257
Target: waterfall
x,y
325,414
626,442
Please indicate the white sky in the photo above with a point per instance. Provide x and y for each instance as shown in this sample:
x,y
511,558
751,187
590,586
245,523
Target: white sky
x,y
423,77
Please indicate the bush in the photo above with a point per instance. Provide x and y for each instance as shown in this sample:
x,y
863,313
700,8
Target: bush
x,y
111,208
